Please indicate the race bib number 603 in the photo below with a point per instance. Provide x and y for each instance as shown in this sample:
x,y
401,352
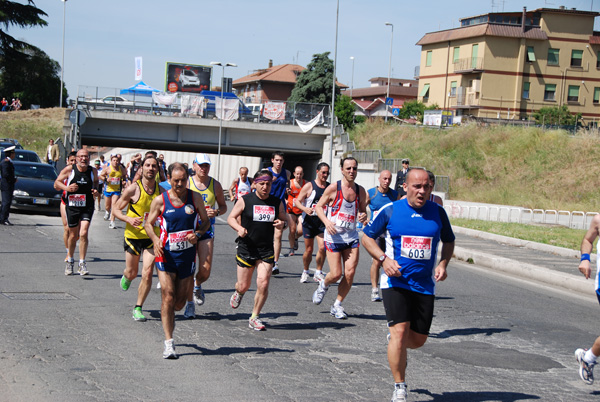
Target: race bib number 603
x,y
263,213
416,247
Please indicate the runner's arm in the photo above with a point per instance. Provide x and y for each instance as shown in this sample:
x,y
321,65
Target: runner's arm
x,y
304,192
587,245
320,208
233,218
231,190
220,196
127,195
200,207
282,217
390,266
64,174
362,206
155,210
446,255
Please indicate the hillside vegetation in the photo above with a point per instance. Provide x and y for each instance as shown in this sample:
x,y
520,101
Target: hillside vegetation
x,y
517,166
33,128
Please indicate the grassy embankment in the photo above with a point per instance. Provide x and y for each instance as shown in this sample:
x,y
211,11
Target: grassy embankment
x,y
33,128
502,165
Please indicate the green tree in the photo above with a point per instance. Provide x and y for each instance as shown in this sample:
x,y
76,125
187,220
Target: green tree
x,y
35,79
344,111
314,83
16,14
556,115
415,109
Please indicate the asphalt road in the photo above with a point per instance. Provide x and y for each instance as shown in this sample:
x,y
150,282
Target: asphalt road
x,y
64,338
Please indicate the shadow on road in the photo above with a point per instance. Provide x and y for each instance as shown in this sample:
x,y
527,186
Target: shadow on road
x,y
476,396
226,351
468,331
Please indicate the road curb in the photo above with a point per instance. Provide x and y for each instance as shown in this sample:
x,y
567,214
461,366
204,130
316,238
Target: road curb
x,y
524,270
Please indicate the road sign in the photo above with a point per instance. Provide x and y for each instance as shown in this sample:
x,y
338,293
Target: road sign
x,y
396,111
389,101
73,117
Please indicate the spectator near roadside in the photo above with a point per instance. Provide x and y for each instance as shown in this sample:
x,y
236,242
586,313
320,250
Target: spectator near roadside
x,y
52,153
4,105
401,177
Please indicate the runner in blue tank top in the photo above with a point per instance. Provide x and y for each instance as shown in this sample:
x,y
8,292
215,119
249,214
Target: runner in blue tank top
x,y
377,198
281,177
412,228
179,209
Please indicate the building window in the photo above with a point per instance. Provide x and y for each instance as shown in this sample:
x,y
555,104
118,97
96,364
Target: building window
x,y
550,92
456,55
553,57
425,92
474,51
526,90
576,58
428,59
453,88
530,54
573,94
596,95
598,59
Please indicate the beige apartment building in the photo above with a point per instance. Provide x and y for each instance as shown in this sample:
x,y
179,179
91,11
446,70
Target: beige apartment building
x,y
509,65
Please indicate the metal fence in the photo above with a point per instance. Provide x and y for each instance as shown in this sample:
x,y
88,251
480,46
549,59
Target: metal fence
x,y
110,99
496,213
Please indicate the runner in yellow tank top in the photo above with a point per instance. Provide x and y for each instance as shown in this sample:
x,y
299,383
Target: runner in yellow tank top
x,y
212,193
138,198
113,176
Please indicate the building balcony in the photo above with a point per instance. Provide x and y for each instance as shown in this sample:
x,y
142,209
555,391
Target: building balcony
x,y
465,101
469,65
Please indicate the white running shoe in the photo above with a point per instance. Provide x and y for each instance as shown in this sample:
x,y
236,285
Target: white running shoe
x,y
106,215
318,277
400,393
158,285
82,269
69,268
275,269
190,311
305,277
169,352
375,295
111,225
319,293
236,299
338,312
256,324
586,370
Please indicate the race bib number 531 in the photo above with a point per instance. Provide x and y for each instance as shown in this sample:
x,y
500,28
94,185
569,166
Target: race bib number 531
x,y
416,247
263,213
178,240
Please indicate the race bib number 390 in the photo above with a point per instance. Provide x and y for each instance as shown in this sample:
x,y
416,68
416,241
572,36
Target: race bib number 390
x,y
416,247
178,240
77,200
263,213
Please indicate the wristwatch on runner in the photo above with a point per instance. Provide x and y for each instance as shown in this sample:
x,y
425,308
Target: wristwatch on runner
x,y
382,258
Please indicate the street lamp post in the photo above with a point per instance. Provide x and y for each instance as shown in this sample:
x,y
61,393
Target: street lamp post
x,y
332,117
352,81
62,66
389,70
218,63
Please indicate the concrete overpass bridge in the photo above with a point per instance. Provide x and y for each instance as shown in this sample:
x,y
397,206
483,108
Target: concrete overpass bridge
x,y
192,134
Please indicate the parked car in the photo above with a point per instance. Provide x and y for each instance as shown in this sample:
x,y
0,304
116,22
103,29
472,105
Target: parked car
x,y
34,189
188,78
24,155
110,102
9,142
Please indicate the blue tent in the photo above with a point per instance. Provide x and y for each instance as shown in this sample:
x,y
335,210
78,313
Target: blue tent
x,y
139,89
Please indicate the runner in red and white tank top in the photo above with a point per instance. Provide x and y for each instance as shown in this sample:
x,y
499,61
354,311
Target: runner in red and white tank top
x,y
346,206
240,186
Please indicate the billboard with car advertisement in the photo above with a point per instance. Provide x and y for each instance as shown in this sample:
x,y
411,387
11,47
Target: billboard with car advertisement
x,y
191,78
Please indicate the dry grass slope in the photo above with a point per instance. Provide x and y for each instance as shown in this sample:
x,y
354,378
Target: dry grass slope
x,y
33,128
503,165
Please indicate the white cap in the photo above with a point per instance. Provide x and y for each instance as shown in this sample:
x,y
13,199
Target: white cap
x,y
202,158
9,149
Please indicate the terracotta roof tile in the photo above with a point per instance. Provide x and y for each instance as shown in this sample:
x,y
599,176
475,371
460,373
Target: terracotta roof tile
x,y
281,73
472,31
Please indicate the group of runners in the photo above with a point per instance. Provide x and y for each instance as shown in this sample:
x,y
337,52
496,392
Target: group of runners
x,y
170,223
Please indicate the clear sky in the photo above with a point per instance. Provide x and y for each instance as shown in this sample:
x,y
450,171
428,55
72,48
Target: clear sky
x,y
104,36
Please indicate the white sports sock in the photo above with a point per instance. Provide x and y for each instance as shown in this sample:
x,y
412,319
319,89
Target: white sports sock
x,y
80,261
590,357
337,303
306,271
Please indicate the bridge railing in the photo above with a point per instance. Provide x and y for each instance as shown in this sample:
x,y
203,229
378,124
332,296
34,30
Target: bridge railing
x,y
110,99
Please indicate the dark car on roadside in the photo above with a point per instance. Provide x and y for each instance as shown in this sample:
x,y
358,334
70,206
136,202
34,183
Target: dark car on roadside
x,y
9,142
34,189
23,155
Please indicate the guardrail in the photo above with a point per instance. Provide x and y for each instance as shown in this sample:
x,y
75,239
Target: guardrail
x,y
494,213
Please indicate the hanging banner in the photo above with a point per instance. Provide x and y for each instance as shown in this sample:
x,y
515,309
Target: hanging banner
x,y
306,126
138,68
274,110
230,109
